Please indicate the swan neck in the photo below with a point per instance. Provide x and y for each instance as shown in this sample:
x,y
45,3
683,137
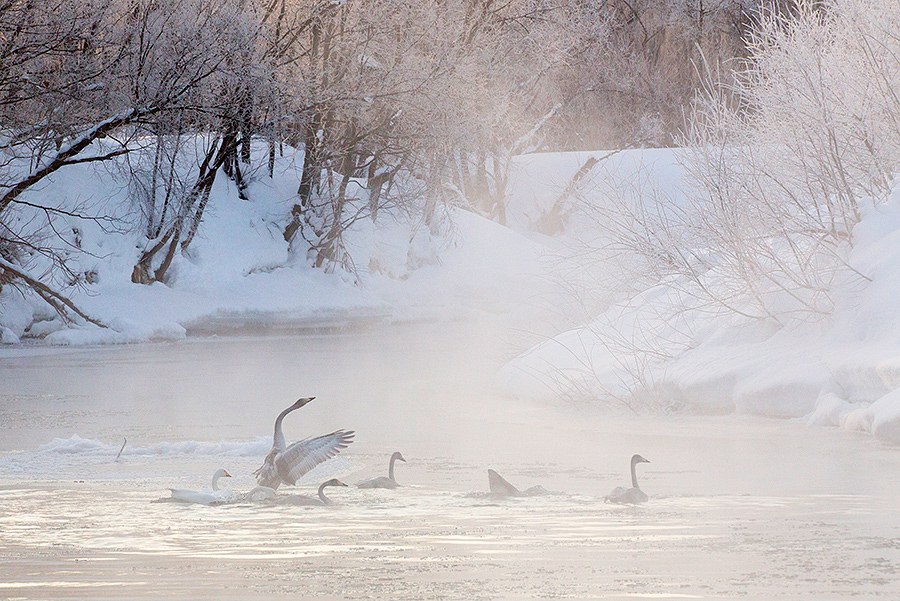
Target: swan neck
x,y
391,467
634,483
278,441
215,481
322,496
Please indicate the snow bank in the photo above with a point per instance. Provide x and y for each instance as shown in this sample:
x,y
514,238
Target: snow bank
x,y
239,268
67,458
76,445
660,349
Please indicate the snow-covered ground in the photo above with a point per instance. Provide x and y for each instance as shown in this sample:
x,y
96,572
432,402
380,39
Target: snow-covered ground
x,y
239,268
656,347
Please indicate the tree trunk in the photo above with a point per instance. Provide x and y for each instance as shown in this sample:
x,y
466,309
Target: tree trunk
x,y
215,159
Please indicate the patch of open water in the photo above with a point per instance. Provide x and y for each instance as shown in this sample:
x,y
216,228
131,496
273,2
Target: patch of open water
x,y
740,508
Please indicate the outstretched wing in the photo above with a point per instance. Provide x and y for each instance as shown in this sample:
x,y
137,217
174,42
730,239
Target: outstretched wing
x,y
499,486
267,474
301,457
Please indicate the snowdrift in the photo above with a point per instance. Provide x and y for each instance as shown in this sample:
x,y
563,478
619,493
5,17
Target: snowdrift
x,y
660,349
239,269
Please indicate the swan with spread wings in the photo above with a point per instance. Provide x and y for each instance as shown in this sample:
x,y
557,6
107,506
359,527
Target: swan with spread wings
x,y
286,464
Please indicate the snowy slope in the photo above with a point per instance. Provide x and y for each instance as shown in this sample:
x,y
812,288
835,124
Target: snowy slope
x,y
659,349
239,270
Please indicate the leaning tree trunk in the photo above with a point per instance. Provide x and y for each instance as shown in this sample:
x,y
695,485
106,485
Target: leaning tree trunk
x,y
189,218
310,178
331,243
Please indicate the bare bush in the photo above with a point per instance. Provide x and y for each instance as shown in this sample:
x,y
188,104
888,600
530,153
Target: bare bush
x,y
783,157
781,179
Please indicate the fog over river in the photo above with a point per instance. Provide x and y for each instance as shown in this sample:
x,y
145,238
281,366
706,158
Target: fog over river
x,y
740,507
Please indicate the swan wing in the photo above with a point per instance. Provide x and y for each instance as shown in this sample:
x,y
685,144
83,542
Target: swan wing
x,y
301,457
617,492
499,486
267,475
259,493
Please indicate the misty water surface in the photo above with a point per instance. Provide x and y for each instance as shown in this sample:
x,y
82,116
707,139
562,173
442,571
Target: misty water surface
x,y
740,507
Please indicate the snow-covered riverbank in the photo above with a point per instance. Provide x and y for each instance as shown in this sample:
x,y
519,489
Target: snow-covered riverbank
x,y
628,342
665,348
240,269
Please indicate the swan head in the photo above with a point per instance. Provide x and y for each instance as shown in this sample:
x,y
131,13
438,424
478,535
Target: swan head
x,y
301,402
638,459
221,473
398,457
334,482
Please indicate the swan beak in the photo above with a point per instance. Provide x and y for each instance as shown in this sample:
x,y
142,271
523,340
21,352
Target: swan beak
x,y
402,459
226,474
303,401
339,483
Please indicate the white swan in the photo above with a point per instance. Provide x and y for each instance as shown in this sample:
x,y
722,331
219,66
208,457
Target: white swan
x,y
184,495
286,464
501,488
381,481
632,495
322,500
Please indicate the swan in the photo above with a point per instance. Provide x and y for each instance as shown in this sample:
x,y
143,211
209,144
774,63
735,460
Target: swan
x,y
286,464
184,495
632,495
501,488
322,500
381,481
258,493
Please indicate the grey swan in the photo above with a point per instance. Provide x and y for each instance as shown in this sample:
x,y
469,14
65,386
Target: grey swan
x,y
286,464
313,501
381,481
501,488
633,495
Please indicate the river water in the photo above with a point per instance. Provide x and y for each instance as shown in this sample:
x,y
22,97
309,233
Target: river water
x,y
740,508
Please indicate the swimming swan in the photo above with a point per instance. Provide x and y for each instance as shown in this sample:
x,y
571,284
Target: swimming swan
x,y
632,495
322,500
184,495
286,464
381,481
258,493
501,488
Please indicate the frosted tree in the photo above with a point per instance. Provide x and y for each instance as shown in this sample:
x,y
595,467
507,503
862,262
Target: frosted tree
x,y
83,82
782,177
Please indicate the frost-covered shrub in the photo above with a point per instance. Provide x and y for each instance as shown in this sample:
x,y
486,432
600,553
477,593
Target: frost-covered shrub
x,y
779,179
780,165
